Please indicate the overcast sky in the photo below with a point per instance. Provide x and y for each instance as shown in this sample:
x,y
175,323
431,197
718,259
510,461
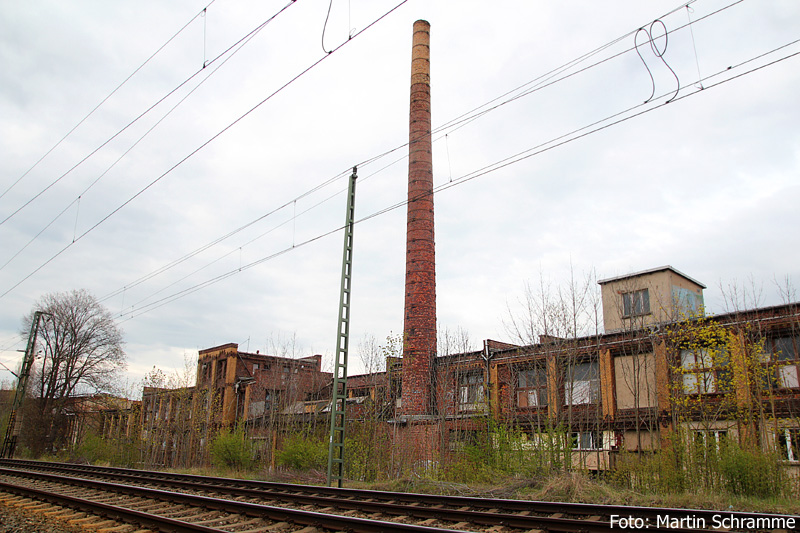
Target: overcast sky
x,y
707,183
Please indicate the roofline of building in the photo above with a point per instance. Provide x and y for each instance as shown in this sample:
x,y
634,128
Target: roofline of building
x,y
228,345
789,310
651,271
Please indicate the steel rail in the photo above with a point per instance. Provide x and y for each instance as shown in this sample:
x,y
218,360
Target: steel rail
x,y
112,512
355,499
274,513
280,514
506,505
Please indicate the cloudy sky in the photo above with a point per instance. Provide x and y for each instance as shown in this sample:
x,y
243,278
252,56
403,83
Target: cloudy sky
x,y
216,216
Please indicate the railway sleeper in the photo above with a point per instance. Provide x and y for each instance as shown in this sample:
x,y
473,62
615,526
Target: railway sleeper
x,y
278,526
222,520
102,524
120,528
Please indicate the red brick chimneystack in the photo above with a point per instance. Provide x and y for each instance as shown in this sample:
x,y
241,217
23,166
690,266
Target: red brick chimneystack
x,y
420,302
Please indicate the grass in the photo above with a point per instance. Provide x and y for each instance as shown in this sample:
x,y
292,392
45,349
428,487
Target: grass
x,y
566,487
562,487
582,488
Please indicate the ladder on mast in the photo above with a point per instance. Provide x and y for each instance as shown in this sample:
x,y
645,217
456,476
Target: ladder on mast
x,y
339,393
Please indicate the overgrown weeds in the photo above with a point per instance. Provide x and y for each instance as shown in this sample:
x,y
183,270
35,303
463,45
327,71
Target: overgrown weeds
x,y
303,452
232,449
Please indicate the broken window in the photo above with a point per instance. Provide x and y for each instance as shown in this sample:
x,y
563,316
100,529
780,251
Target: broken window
x,y
532,387
583,384
470,390
636,303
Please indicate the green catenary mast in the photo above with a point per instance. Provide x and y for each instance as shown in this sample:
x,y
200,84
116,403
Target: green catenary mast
x,y
339,394
12,430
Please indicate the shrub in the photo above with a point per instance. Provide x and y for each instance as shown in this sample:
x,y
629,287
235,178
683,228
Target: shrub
x,y
232,449
94,449
684,469
752,473
303,452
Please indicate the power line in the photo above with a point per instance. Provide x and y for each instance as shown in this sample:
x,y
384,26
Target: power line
x,y
463,178
241,43
212,281
225,237
576,134
562,140
550,78
104,100
238,45
199,148
459,122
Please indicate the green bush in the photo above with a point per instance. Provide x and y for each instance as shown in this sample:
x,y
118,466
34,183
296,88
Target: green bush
x,y
303,452
507,451
752,473
232,449
471,465
697,467
367,452
93,449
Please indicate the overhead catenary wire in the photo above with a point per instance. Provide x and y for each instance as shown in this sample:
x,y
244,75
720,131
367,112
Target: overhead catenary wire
x,y
201,147
468,177
241,43
557,142
239,249
104,100
457,123
227,54
552,77
596,127
234,48
241,266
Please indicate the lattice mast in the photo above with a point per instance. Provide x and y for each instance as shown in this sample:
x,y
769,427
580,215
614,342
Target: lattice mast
x,y
339,393
14,419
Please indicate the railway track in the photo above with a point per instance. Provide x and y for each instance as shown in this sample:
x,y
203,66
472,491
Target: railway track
x,y
162,501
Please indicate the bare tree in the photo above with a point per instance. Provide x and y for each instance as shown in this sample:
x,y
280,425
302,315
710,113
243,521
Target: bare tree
x,y
786,289
81,353
740,296
560,327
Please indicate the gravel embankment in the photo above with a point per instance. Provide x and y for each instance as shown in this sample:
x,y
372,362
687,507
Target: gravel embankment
x,y
16,520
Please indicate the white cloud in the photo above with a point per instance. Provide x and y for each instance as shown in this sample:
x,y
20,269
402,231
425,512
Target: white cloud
x,y
706,184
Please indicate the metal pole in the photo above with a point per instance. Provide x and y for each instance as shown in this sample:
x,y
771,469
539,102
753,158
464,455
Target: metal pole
x,y
14,424
339,393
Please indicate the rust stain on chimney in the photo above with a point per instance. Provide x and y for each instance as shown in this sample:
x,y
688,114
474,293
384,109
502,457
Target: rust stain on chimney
x,y
420,298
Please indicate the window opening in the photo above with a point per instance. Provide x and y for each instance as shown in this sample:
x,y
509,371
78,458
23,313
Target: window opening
x,y
532,387
471,390
636,303
584,385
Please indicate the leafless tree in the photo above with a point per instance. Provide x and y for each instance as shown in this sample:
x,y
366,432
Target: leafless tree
x,y
81,353
740,296
560,326
786,289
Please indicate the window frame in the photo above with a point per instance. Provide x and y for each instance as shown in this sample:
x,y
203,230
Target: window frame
x,y
783,372
593,396
788,442
580,439
636,303
699,439
701,363
532,380
471,390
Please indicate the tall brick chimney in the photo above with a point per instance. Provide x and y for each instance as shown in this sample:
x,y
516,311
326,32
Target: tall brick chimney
x,y
420,301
